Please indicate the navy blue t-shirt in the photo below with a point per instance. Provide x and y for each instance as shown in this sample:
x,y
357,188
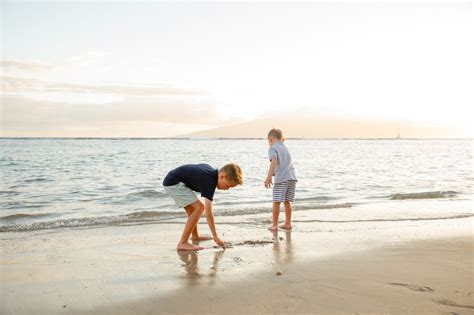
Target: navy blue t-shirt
x,y
198,177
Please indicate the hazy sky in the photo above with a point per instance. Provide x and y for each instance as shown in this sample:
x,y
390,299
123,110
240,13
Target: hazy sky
x,y
163,68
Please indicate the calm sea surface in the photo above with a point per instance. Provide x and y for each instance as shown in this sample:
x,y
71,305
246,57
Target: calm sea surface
x,y
55,183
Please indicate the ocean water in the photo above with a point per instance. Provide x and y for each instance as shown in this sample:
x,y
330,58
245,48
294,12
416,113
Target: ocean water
x,y
69,183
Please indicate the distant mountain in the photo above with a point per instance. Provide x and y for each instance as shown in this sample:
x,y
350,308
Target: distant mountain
x,y
328,128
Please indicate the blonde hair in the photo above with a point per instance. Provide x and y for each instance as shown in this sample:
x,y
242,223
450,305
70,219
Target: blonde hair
x,y
275,133
233,173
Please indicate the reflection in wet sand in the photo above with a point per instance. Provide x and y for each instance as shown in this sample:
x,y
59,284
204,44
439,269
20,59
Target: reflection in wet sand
x,y
191,266
286,256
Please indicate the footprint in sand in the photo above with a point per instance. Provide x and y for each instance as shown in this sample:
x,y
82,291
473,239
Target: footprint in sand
x,y
413,287
452,303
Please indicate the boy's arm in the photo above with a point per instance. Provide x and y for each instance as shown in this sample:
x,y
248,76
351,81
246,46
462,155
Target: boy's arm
x,y
210,221
271,171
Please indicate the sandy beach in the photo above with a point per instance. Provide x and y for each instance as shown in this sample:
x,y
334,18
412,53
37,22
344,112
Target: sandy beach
x,y
116,117
414,267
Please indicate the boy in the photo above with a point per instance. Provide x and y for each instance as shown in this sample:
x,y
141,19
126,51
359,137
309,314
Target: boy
x,y
181,183
285,179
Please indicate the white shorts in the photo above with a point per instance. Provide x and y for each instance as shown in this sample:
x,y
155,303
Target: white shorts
x,y
284,191
183,196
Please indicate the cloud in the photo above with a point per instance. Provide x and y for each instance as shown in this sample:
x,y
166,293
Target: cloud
x,y
24,66
18,85
22,116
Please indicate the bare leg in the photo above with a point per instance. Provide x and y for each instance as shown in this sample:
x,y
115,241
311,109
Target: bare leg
x,y
287,224
193,218
276,213
189,210
195,233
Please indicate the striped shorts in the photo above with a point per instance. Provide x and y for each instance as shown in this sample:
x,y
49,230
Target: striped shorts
x,y
284,191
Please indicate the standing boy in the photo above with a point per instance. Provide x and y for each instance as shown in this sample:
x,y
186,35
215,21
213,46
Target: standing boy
x,y
282,168
182,182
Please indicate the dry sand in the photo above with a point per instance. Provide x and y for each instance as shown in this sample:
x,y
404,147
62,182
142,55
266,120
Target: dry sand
x,y
423,267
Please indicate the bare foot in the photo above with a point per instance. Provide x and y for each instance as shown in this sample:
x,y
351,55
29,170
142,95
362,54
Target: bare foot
x,y
286,226
187,246
273,228
203,238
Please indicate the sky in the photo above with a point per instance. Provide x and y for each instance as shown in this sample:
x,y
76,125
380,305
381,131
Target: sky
x,y
160,69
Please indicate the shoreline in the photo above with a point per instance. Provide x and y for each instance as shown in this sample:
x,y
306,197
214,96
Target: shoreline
x,y
326,268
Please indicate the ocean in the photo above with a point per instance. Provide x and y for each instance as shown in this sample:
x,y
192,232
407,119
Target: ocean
x,y
54,183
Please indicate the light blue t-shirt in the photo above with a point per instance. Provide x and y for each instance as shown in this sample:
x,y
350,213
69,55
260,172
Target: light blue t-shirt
x,y
285,169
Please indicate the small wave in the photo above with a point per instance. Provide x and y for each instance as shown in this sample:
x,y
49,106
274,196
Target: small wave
x,y
250,211
21,205
424,195
318,198
151,214
38,179
137,217
10,164
8,193
18,216
19,185
134,217
265,201
149,193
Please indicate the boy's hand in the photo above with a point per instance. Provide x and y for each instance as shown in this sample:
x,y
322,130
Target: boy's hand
x,y
218,241
268,182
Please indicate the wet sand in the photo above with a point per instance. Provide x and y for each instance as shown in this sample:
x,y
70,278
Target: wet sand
x,y
421,267
430,277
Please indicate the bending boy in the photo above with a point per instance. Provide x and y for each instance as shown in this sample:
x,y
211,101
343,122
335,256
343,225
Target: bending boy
x,y
182,182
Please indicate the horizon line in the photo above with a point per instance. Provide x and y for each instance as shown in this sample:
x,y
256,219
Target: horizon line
x,y
226,138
